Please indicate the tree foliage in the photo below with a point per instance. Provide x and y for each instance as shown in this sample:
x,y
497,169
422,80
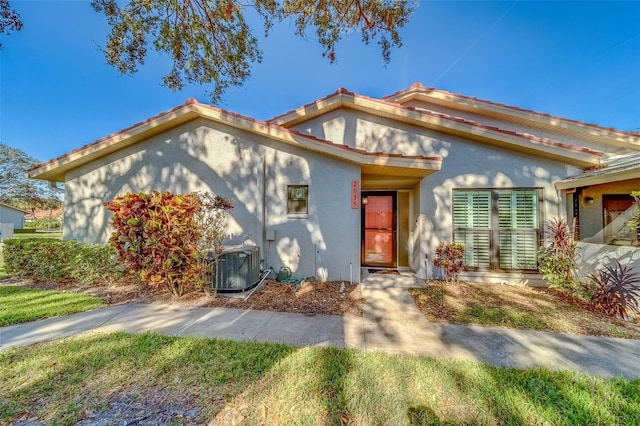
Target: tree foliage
x,y
18,190
9,19
211,42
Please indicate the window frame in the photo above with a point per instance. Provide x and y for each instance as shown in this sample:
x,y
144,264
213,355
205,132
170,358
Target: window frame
x,y
493,260
292,211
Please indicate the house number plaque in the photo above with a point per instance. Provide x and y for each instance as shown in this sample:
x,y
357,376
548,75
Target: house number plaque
x,y
355,194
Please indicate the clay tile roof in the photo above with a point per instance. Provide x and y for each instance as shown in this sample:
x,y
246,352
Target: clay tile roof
x,y
448,117
194,102
418,85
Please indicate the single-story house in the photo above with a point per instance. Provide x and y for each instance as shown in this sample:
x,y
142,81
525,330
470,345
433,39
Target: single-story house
x,y
42,214
11,218
349,183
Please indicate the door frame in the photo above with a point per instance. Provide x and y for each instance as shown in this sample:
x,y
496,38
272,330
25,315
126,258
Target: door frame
x,y
394,204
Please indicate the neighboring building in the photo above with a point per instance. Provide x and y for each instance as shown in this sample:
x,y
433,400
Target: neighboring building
x,y
43,214
11,218
350,182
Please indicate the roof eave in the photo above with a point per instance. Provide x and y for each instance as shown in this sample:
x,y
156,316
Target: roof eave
x,y
616,138
56,169
614,176
577,157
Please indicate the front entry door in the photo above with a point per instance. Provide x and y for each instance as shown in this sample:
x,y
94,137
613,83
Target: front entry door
x,y
379,229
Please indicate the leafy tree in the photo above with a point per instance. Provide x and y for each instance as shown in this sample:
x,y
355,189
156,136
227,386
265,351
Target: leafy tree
x,y
210,41
18,190
9,19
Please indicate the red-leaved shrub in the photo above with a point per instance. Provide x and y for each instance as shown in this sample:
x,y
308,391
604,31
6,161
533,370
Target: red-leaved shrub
x,y
156,236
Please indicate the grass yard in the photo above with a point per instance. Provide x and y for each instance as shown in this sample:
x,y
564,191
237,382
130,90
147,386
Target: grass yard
x,y
20,304
114,378
517,307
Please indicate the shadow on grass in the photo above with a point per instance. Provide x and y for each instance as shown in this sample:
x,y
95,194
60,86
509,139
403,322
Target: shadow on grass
x,y
257,383
61,382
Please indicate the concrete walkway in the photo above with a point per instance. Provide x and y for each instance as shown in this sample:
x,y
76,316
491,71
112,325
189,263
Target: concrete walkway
x,y
391,322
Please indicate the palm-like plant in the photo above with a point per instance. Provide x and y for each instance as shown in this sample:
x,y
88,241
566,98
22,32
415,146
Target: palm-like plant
x,y
617,290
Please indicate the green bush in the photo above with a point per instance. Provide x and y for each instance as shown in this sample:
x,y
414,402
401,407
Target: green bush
x,y
557,257
39,259
44,223
97,264
59,261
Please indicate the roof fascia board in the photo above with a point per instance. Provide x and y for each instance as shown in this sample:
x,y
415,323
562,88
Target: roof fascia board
x,y
619,139
485,134
423,119
56,169
579,182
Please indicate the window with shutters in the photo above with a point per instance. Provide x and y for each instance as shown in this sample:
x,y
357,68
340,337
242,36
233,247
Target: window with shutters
x,y
499,228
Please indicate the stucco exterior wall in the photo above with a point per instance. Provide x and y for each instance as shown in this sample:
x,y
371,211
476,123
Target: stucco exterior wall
x,y
466,164
592,215
9,215
371,133
591,258
251,171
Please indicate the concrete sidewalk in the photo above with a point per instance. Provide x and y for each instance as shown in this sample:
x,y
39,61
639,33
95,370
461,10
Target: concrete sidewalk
x,y
391,322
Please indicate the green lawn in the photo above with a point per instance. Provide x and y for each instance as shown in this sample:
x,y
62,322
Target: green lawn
x,y
19,304
250,383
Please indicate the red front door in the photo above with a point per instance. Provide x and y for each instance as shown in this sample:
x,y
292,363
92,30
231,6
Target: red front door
x,y
379,236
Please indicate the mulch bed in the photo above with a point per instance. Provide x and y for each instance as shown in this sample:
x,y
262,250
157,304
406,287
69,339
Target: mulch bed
x,y
311,297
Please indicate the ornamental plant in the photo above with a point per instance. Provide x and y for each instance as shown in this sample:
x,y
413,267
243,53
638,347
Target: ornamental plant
x,y
616,290
556,258
634,222
450,258
156,236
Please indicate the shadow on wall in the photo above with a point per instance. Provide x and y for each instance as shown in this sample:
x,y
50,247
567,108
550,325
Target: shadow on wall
x,y
592,258
251,171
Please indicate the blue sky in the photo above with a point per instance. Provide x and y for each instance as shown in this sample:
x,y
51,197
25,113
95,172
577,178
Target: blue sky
x,y
580,60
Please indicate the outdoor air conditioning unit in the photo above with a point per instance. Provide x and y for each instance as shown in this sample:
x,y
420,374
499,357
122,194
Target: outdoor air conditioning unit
x,y
238,269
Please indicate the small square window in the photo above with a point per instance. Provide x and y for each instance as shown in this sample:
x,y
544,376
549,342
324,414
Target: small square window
x,y
297,199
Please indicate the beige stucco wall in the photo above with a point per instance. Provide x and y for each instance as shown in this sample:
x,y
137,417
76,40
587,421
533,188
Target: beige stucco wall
x,y
592,258
251,171
592,215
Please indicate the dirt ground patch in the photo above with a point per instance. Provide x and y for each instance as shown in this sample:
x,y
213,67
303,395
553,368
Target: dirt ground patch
x,y
311,297
518,307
